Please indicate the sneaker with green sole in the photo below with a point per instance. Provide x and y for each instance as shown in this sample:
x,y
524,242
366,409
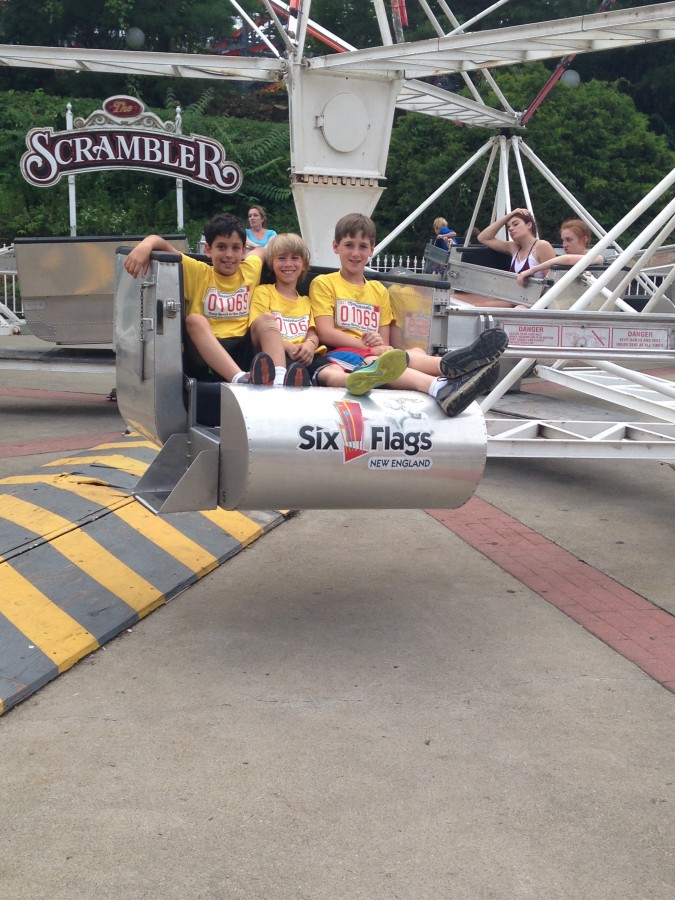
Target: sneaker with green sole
x,y
386,368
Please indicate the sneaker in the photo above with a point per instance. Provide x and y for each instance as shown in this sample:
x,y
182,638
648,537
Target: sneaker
x,y
262,370
486,349
387,367
296,376
458,393
490,378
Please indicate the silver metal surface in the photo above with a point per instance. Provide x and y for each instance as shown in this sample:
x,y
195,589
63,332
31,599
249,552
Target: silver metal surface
x,y
319,448
184,474
149,370
67,286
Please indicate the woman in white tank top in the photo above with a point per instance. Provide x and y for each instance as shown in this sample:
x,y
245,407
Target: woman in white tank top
x,y
523,246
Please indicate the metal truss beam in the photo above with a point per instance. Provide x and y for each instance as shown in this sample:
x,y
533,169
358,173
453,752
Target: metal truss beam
x,y
544,439
508,46
418,96
137,62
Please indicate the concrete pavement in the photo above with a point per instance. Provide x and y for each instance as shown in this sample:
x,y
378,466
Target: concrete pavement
x,y
359,705
363,704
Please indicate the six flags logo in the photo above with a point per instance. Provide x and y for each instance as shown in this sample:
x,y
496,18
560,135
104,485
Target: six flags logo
x,y
358,440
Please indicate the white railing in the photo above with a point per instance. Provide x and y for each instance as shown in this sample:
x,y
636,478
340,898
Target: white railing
x,y
385,261
9,285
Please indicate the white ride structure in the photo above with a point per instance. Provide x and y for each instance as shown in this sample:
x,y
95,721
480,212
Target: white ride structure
x,y
341,108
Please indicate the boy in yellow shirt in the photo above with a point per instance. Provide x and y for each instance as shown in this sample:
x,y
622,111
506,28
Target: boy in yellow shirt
x,y
288,258
353,318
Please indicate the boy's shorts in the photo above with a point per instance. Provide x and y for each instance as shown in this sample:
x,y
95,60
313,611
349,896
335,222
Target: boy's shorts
x,y
239,348
347,358
318,362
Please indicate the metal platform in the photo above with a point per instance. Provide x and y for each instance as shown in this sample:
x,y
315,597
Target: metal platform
x,y
539,438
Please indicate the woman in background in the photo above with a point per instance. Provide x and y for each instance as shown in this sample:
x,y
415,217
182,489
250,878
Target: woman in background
x,y
575,236
524,246
256,234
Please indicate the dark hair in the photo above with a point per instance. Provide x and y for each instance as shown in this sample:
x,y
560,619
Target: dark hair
x,y
354,224
223,225
529,219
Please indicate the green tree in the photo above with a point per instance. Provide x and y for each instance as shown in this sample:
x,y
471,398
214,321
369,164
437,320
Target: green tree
x,y
138,203
592,138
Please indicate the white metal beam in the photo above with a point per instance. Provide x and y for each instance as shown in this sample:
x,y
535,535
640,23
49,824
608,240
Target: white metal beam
x,y
138,62
418,96
508,46
548,439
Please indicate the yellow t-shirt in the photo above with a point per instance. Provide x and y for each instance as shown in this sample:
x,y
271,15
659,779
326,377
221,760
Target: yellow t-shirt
x,y
294,317
354,308
225,300
412,308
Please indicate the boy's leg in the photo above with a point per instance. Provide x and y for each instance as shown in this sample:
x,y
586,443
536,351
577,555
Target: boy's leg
x,y
207,345
422,362
265,334
453,395
331,375
457,393
486,349
384,369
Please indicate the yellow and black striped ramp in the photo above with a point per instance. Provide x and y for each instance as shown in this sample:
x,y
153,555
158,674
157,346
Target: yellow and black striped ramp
x,y
81,560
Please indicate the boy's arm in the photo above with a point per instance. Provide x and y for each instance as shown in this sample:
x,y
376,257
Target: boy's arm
x,y
332,336
138,260
258,251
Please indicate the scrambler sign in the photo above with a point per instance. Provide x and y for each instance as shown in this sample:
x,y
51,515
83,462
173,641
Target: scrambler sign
x,y
122,135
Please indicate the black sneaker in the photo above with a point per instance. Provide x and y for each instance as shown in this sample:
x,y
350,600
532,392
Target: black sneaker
x,y
458,393
389,366
490,378
262,370
296,376
486,349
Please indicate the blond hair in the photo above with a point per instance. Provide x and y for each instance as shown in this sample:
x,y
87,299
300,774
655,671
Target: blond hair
x,y
287,242
439,223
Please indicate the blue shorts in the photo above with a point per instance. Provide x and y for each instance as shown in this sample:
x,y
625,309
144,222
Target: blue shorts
x,y
348,359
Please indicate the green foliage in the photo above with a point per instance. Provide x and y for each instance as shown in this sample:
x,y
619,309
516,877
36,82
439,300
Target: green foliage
x,y
592,138
138,203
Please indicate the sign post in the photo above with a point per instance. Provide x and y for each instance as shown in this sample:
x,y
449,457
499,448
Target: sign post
x,y
124,135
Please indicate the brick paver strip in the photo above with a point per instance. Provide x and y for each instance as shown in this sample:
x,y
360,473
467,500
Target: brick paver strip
x,y
628,623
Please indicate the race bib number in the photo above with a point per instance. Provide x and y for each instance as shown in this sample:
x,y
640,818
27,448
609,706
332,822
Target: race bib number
x,y
218,305
417,325
350,314
291,327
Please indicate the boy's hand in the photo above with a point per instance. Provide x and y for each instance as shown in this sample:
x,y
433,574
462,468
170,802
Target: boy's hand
x,y
372,339
138,260
305,352
379,349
